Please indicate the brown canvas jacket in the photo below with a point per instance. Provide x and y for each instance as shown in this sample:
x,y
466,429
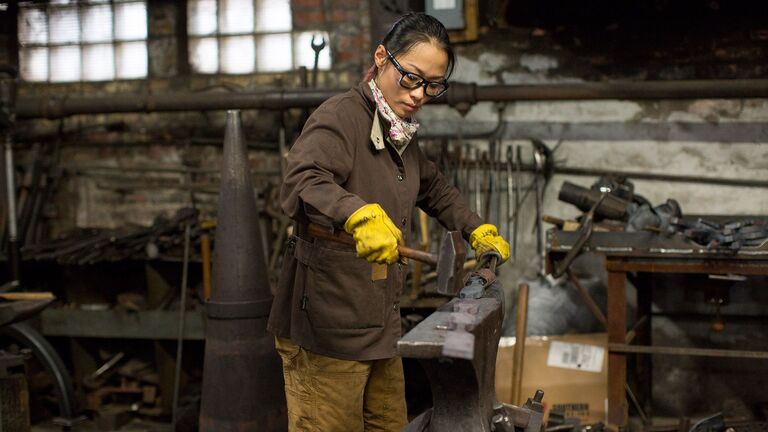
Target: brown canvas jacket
x,y
328,300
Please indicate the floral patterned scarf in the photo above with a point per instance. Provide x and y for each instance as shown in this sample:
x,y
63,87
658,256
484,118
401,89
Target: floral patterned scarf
x,y
402,130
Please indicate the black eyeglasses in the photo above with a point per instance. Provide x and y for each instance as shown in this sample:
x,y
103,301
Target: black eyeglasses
x,y
412,81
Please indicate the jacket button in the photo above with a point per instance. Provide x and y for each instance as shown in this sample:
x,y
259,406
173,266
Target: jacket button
x,y
400,177
404,221
395,307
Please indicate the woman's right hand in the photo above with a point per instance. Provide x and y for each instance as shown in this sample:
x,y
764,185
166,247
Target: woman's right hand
x,y
376,236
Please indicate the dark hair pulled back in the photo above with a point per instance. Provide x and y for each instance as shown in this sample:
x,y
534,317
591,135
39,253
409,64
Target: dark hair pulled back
x,y
414,28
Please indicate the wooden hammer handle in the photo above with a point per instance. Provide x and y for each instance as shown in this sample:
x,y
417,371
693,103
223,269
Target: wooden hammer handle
x,y
319,232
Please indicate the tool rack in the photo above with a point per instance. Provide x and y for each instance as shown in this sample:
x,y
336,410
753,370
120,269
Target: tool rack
x,y
647,253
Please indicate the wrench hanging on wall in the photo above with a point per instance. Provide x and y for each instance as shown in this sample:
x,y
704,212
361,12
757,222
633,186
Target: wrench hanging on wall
x,y
316,47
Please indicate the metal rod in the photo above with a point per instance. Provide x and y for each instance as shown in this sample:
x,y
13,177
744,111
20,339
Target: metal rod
x,y
559,170
539,184
658,176
182,315
205,256
596,311
633,331
634,175
508,167
13,235
10,188
702,352
459,93
699,316
518,182
636,403
476,175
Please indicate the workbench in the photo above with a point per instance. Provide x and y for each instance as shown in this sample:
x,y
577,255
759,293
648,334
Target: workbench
x,y
648,253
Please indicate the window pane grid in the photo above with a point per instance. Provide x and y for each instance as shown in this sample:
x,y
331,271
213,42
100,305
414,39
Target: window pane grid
x,y
85,40
245,36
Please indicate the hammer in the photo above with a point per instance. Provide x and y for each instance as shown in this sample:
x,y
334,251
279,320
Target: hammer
x,y
449,261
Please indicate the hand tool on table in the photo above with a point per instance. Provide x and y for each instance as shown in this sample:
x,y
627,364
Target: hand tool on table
x,y
316,47
585,232
449,261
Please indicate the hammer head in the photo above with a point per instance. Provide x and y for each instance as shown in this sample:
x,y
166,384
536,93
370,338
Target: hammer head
x,y
450,263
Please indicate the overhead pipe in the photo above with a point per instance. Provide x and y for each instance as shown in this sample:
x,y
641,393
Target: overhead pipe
x,y
460,95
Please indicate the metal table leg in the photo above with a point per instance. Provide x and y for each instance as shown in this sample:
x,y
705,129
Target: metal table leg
x,y
617,361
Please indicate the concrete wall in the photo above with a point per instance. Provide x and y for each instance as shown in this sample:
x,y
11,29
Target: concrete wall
x,y
699,138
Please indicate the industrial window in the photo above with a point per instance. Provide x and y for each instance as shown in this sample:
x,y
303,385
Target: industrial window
x,y
244,36
93,40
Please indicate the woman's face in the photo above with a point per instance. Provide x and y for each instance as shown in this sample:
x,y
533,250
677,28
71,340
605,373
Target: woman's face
x,y
425,59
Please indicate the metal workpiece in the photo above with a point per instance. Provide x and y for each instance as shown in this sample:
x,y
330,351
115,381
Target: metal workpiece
x,y
462,383
608,205
460,96
242,379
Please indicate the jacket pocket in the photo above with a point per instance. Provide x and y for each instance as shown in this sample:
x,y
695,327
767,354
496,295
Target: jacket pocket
x,y
340,292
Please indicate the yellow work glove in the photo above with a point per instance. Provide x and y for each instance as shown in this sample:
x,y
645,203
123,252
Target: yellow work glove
x,y
486,238
376,237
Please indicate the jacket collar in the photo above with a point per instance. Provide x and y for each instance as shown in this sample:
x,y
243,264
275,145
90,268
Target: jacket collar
x,y
379,125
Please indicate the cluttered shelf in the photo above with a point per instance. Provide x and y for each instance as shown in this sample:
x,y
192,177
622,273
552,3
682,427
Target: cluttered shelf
x,y
121,324
106,322
639,241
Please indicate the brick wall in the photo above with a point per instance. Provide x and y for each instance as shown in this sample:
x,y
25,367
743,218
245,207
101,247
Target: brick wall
x,y
347,22
110,197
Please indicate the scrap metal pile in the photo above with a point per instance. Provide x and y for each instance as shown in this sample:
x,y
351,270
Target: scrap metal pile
x,y
732,235
614,198
87,246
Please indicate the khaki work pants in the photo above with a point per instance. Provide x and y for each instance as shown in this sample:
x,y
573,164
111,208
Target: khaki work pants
x,y
325,394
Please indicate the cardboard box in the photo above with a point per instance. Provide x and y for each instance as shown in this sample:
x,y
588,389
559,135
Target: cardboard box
x,y
571,369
